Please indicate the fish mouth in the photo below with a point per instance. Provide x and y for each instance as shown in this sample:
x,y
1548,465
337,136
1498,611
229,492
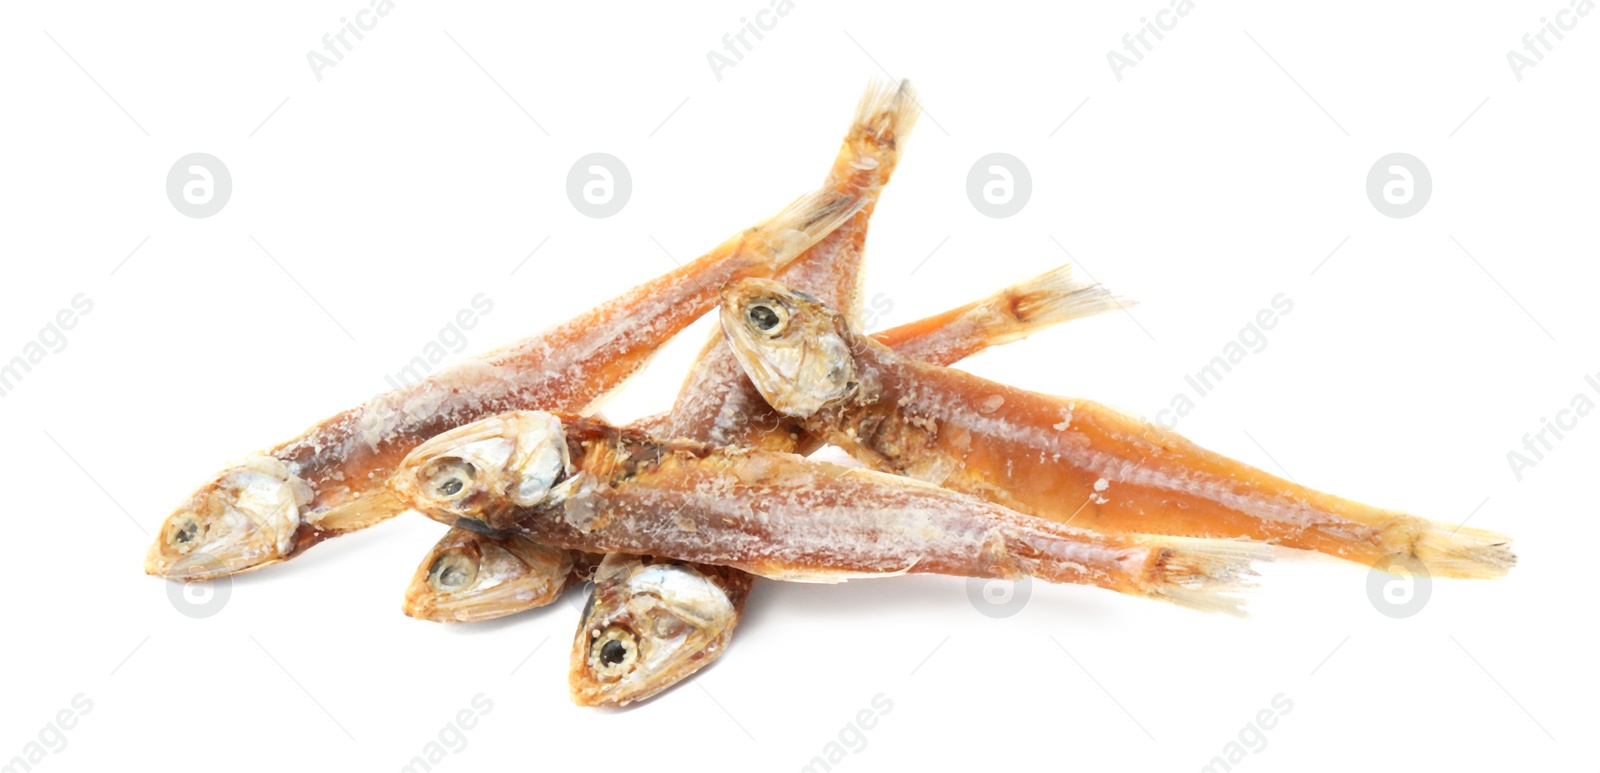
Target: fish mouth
x,y
477,471
468,578
659,622
246,518
785,343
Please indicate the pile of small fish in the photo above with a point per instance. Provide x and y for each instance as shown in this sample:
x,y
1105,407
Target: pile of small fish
x,y
673,516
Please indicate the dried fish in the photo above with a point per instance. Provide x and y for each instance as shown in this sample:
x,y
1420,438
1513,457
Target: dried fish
x,y
718,404
329,481
467,577
1005,316
577,483
1064,459
650,624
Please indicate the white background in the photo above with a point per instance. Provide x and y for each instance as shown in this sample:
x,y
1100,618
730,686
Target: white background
x,y
406,181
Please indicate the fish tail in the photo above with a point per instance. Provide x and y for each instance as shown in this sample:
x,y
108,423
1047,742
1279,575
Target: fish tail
x,y
1050,299
1451,551
1204,574
1010,314
1197,573
803,223
883,119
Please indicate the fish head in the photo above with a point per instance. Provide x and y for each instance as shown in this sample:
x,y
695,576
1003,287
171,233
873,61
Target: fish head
x,y
245,518
648,625
795,349
469,577
478,475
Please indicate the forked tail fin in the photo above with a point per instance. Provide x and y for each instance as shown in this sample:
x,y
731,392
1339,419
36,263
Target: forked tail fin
x,y
1008,315
884,118
1050,299
1454,551
1205,574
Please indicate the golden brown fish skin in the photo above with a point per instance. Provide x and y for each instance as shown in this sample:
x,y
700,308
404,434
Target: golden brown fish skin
x,y
650,624
1064,459
783,516
330,480
1010,313
467,577
718,404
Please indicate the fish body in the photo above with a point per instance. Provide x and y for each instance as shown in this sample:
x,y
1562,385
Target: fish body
x,y
1002,317
718,404
330,480
777,515
1069,460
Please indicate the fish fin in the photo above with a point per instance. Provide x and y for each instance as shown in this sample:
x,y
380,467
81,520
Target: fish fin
x,y
1052,298
821,576
884,117
1449,551
803,223
369,510
1204,574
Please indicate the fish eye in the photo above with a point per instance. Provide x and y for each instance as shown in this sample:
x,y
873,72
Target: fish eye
x,y
766,317
452,571
448,480
184,531
614,652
